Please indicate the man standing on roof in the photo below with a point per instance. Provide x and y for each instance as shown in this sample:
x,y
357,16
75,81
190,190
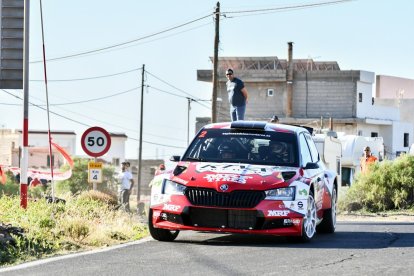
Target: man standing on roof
x,y
367,159
237,96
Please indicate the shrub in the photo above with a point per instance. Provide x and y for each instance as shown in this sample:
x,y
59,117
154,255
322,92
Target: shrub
x,y
84,221
389,185
77,229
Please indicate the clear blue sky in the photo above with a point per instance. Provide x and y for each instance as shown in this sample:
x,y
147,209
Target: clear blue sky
x,y
371,35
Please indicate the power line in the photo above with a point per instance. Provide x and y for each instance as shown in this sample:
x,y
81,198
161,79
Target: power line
x,y
127,42
198,101
288,7
92,78
169,93
114,125
98,99
169,84
86,125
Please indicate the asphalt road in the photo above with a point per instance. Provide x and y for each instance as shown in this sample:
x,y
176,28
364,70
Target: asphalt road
x,y
357,248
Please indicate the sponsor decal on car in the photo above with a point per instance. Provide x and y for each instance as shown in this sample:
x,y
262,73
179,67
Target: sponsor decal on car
x,y
179,180
241,179
303,192
277,213
239,169
171,207
291,221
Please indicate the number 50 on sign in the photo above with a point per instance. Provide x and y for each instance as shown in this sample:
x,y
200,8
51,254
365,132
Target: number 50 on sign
x,y
95,172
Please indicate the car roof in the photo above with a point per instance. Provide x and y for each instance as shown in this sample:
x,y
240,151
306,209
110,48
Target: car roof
x,y
259,126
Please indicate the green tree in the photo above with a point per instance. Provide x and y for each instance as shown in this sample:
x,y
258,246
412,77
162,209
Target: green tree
x,y
78,182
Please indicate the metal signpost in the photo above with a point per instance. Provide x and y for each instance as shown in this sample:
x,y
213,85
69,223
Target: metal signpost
x,y
95,142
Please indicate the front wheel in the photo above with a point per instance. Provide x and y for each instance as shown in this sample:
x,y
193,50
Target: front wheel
x,y
160,234
309,221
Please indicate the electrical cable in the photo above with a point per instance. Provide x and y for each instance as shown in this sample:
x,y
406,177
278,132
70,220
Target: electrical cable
x,y
127,42
288,7
86,125
93,78
98,99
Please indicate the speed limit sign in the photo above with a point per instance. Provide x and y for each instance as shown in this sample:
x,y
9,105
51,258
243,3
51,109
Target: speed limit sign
x,y
96,141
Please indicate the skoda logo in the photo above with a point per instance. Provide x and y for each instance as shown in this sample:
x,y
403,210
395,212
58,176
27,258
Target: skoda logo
x,y
224,187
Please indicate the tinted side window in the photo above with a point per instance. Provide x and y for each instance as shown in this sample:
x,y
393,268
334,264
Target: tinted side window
x,y
312,147
304,150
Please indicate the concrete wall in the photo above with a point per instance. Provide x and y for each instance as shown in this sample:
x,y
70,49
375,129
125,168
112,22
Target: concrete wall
x,y
9,140
389,87
148,171
67,141
324,93
117,150
398,130
315,93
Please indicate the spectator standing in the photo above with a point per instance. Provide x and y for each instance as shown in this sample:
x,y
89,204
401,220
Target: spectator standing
x,y
127,183
237,96
367,159
274,120
160,170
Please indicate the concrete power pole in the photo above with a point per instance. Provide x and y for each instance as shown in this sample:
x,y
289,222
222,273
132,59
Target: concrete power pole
x,y
140,206
215,65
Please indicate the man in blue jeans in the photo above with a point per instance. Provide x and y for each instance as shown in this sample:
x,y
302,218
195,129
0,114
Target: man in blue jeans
x,y
237,96
127,183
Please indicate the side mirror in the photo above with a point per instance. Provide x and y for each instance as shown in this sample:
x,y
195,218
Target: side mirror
x,y
311,166
175,158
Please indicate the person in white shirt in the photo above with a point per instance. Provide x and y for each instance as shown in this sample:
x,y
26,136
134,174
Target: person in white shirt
x,y
127,183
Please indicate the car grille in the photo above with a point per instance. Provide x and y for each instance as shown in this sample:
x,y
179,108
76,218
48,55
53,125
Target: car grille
x,y
235,199
223,218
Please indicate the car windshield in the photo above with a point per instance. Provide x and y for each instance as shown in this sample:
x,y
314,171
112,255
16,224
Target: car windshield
x,y
251,147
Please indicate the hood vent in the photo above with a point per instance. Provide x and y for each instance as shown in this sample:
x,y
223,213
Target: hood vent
x,y
288,175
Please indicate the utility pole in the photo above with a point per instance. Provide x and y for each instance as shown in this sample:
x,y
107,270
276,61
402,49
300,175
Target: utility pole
x,y
140,206
188,119
215,65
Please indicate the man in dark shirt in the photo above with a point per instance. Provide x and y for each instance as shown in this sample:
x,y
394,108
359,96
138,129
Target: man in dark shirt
x,y
237,96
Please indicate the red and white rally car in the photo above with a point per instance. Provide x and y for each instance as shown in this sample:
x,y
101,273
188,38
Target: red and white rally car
x,y
246,177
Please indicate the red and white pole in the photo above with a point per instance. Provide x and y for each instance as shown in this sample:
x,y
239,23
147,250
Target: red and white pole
x,y
25,154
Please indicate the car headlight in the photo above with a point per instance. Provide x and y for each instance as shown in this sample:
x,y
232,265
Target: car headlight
x,y
173,188
287,193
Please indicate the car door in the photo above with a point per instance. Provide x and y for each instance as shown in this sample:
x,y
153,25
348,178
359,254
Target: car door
x,y
309,154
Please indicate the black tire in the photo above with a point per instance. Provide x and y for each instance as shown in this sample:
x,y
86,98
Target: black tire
x,y
309,221
328,223
160,234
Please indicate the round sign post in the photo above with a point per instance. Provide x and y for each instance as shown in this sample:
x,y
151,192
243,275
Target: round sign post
x,y
95,142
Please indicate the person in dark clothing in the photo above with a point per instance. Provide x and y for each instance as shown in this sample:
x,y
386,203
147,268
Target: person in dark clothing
x,y
237,96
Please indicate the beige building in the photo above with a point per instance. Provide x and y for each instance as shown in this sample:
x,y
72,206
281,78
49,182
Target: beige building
x,y
39,156
308,92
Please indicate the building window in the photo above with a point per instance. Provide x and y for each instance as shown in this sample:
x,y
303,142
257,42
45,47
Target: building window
x,y
359,132
48,161
360,97
374,134
115,162
270,92
406,140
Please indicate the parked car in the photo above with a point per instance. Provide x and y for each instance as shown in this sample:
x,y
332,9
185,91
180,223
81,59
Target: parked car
x,y
246,177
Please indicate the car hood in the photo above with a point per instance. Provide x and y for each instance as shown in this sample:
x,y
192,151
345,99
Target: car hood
x,y
235,176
